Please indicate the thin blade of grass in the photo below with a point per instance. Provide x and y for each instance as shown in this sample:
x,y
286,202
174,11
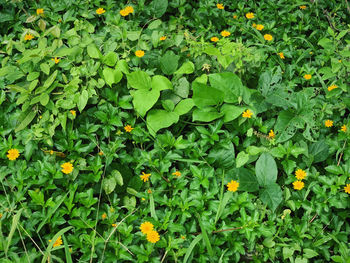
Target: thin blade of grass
x,y
191,247
66,250
15,220
151,207
205,237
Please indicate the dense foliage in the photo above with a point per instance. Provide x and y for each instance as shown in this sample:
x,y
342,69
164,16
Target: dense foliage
x,y
174,131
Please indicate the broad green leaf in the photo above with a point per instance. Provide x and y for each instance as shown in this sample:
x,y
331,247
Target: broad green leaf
x,y
186,68
231,112
161,83
45,68
320,151
26,121
122,65
222,155
229,83
169,62
285,126
49,80
288,252
144,100
266,170
241,159
184,106
118,177
309,253
204,95
83,99
133,35
139,80
272,196
155,24
44,99
159,119
109,184
111,76
93,51
247,180
206,114
159,7
110,59
191,247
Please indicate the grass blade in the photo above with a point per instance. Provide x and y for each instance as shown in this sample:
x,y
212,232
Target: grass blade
x,y
15,220
151,207
205,237
191,247
66,250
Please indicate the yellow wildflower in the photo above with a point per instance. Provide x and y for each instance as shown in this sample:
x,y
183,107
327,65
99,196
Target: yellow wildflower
x,y
232,186
281,55
268,37
249,15
183,237
328,123
145,177
234,17
303,7
146,227
12,154
58,242
104,216
114,225
139,53
67,168
347,189
129,9
220,6
254,25
73,112
271,134
123,12
332,87
307,76
300,174
149,191
225,33
28,37
100,11
56,60
162,38
128,128
100,153
0,215
343,128
259,27
177,173
298,185
40,11
153,236
214,39
247,114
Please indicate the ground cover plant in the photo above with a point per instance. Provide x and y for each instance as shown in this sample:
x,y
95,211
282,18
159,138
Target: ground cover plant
x,y
174,131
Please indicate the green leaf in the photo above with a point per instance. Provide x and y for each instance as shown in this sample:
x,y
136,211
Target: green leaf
x,y
44,99
231,112
159,7
159,119
191,247
266,170
93,51
144,100
268,242
26,121
309,253
222,155
109,184
205,236
139,80
247,180
206,96
206,114
83,99
229,83
284,126
320,151
111,76
49,81
13,228
241,159
118,177
155,24
184,106
161,83
288,252
186,68
272,196
110,59
169,62
45,68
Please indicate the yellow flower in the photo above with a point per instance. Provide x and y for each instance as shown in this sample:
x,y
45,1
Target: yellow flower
x,y
300,174
100,153
100,11
129,9
307,76
57,60
271,134
12,154
247,114
114,225
123,12
162,38
232,186
183,237
249,15
40,11
177,173
268,37
234,17
214,39
67,168
225,33
259,27
254,25
146,227
145,177
0,215
128,128
52,152
73,112
347,189
343,128
303,7
58,242
139,53
281,55
298,185
149,191
104,216
332,87
153,236
28,37
220,6
328,123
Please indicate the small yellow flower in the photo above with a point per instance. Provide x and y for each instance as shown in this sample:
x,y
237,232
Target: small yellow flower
x,y
183,237
328,123
128,128
281,55
51,152
104,216
145,177
214,39
100,11
28,37
249,15
12,154
220,6
73,112
268,37
114,225
40,11
254,25
259,27
146,227
225,33
177,173
339,60
347,189
100,153
232,186
271,134
307,76
298,185
247,114
300,174
59,20
67,168
332,87
56,60
162,38
153,236
129,9
143,199
234,17
139,53
343,128
123,12
303,7
149,191
58,242
0,215
311,52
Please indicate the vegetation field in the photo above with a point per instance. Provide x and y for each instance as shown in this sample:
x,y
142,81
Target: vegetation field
x,y
174,131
